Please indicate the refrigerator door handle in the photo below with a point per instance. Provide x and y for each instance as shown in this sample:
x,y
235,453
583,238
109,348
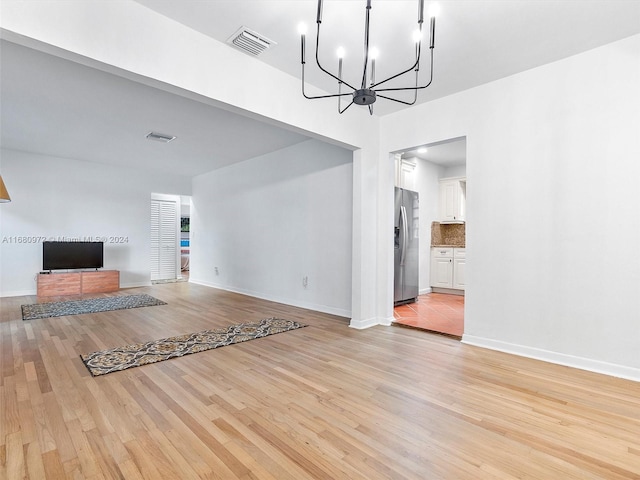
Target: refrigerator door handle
x,y
405,233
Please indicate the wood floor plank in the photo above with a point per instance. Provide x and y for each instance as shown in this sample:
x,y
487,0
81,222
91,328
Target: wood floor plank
x,y
105,461
15,461
178,463
53,467
322,402
33,461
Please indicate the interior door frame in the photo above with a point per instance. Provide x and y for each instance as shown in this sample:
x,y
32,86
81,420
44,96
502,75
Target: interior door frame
x,y
175,199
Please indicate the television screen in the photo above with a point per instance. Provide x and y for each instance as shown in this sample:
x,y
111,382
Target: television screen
x,y
71,255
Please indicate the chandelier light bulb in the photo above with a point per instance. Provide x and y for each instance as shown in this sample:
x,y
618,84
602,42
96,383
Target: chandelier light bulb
x,y
373,53
340,52
417,36
302,28
434,10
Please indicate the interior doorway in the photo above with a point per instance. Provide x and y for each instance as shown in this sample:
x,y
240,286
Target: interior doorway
x,y
185,237
170,238
437,171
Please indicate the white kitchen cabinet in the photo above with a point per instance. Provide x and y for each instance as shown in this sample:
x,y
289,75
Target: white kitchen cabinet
x,y
406,173
442,267
453,192
458,268
447,268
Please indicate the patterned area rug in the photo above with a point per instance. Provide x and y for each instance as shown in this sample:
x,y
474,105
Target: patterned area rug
x,y
121,358
90,305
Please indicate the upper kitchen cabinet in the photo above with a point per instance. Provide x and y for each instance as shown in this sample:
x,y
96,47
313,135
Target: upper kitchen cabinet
x,y
406,173
453,192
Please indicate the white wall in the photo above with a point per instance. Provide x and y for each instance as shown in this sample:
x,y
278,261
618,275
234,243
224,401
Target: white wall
x,y
270,221
455,171
553,210
58,197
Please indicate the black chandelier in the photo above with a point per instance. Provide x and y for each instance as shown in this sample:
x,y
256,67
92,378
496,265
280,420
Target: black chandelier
x,y
369,91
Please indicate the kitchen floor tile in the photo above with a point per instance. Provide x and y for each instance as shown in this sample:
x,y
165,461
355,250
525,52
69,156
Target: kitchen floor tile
x,y
438,312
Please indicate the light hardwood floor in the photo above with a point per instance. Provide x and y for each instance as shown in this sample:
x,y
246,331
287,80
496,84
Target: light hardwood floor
x,y
322,402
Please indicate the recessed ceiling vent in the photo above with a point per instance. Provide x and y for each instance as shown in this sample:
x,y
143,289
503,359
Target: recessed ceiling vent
x,y
250,42
160,137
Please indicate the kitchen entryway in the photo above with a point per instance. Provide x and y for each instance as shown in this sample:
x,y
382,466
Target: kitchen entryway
x,y
437,312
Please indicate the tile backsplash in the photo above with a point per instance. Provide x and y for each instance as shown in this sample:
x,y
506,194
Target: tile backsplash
x,y
450,234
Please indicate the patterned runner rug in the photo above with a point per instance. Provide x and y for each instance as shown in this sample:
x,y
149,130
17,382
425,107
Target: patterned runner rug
x,y
121,358
90,305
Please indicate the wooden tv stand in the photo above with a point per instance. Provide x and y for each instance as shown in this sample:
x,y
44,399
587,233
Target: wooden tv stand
x,y
77,283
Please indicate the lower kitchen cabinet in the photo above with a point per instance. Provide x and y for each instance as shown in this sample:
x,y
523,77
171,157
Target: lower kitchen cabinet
x,y
448,267
442,267
458,268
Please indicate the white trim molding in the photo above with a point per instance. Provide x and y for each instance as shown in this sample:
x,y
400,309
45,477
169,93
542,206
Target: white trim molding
x,y
362,324
581,363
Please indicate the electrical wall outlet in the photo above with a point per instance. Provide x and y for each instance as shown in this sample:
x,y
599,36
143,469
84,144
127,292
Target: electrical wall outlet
x,y
305,282
215,269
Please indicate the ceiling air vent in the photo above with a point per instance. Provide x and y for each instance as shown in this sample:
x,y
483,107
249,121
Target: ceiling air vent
x,y
250,42
160,137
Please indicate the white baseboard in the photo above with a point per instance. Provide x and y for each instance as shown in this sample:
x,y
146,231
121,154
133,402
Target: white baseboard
x,y
425,291
19,293
287,301
362,324
581,363
450,291
136,284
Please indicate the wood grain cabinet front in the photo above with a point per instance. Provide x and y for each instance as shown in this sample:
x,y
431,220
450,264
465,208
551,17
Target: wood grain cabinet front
x,y
56,284
100,281
77,283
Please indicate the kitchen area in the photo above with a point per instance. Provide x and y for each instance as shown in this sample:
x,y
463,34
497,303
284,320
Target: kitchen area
x,y
429,277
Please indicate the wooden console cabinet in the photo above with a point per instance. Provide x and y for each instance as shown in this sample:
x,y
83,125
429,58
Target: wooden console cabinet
x,y
77,283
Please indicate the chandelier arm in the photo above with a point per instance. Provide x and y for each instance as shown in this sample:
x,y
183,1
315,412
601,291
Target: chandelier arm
x,y
396,100
324,69
345,108
413,67
415,93
326,96
308,97
410,88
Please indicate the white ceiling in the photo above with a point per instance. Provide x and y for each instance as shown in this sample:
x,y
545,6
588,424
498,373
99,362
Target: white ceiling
x,y
449,153
57,107
477,41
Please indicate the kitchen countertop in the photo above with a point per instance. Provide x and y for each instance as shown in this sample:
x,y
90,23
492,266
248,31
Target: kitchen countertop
x,y
448,246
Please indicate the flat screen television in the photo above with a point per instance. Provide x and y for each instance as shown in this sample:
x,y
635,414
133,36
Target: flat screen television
x,y
72,255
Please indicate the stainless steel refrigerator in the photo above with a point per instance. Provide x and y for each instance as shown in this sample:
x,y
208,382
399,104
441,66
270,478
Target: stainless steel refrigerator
x,y
406,247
